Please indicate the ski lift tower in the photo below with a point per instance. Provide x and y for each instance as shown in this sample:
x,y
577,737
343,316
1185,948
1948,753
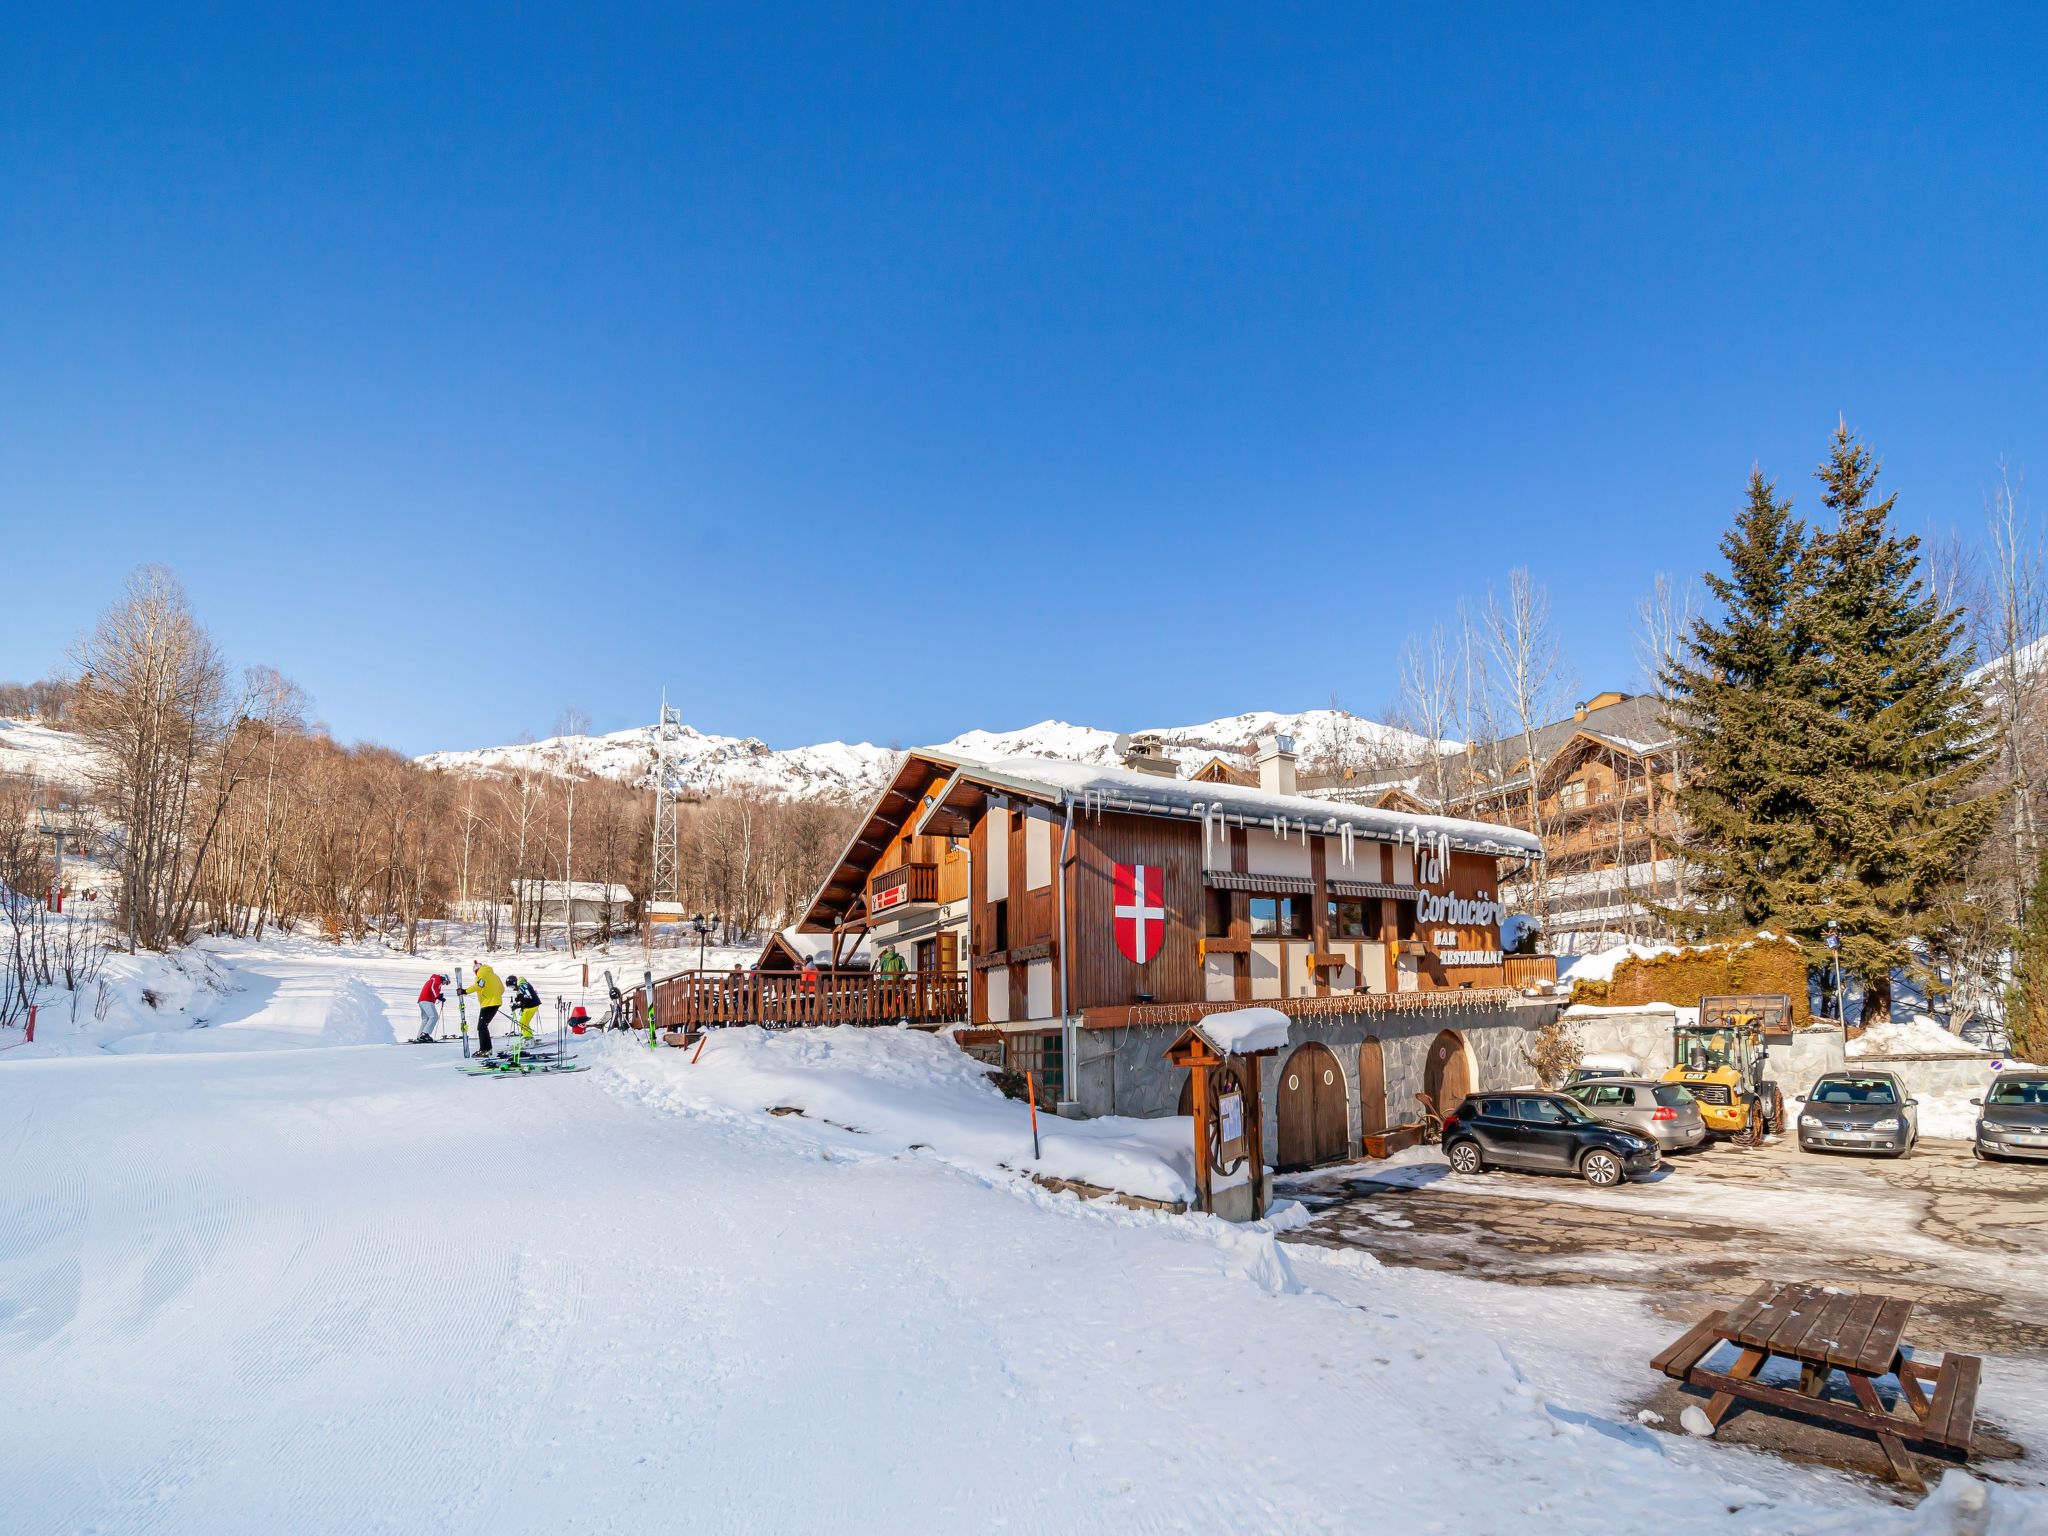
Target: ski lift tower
x,y
665,899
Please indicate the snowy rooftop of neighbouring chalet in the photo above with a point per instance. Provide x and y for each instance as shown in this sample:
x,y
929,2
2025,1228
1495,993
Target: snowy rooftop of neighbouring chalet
x,y
1244,1030
1093,785
578,890
817,947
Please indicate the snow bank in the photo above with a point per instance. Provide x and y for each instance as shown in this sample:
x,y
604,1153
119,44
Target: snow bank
x,y
1602,964
893,1088
1243,1030
1915,1036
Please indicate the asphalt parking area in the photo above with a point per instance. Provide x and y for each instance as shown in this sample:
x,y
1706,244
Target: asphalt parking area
x,y
1967,1241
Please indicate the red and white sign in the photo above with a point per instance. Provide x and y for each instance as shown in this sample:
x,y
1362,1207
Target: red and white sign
x,y
891,896
1140,911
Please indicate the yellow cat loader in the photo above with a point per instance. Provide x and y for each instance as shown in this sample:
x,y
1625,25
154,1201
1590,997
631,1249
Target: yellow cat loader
x,y
1723,1063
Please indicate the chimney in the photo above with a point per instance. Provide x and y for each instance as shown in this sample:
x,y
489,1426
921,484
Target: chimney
x,y
1579,711
1146,753
1276,764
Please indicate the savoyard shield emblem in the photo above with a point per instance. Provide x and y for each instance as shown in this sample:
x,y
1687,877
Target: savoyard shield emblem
x,y
1140,914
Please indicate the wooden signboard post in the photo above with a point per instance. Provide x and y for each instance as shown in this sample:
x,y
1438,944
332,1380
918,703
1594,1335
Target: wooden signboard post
x,y
1229,1120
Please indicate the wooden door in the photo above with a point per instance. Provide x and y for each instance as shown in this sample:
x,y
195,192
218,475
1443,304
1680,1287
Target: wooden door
x,y
1372,1089
1448,1077
949,952
1311,1102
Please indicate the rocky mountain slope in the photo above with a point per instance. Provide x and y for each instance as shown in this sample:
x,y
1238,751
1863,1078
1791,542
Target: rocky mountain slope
x,y
709,764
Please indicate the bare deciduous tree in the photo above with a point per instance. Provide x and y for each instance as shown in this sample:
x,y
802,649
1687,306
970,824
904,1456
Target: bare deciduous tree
x,y
2012,618
1530,678
152,700
1431,678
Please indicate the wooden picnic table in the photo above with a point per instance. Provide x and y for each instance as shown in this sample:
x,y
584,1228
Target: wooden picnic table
x,y
1826,1331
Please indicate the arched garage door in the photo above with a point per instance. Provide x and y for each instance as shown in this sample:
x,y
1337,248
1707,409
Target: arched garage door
x,y
1448,1076
1312,1128
1372,1089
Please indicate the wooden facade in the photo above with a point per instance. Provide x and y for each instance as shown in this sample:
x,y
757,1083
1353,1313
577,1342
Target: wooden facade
x,y
1258,896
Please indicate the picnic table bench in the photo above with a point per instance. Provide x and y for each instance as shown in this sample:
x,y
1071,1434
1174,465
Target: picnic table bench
x,y
1826,1331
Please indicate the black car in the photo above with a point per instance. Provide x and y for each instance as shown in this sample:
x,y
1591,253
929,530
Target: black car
x,y
1543,1133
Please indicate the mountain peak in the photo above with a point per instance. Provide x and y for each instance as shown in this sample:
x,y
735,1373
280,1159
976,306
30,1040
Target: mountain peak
x,y
710,764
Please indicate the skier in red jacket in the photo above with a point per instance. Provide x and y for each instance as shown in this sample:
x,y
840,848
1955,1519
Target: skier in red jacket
x,y
430,1009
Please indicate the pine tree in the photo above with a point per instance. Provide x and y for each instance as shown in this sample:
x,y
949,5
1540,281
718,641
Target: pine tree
x,y
1742,805
1897,743
2026,1000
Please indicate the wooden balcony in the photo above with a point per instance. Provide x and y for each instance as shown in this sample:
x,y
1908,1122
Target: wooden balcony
x,y
904,884
1529,970
693,999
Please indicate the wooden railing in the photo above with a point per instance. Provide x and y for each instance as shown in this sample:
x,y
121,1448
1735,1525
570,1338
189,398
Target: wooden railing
x,y
920,882
693,999
1529,970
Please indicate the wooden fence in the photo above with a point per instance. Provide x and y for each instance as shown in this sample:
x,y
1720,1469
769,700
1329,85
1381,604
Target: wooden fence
x,y
692,999
1528,970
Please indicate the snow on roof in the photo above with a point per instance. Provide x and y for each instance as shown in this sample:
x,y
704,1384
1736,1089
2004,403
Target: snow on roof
x,y
818,946
1244,1030
1122,789
578,890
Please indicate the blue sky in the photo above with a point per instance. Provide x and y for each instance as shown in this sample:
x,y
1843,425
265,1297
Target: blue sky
x,y
880,373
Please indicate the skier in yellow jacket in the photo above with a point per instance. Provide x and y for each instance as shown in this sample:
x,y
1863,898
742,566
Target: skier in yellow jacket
x,y
490,997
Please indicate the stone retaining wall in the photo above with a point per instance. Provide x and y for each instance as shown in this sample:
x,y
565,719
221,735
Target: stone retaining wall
x,y
1125,1072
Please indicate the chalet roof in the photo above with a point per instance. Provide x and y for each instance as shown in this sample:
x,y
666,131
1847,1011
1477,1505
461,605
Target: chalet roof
x,y
1091,786
1635,722
815,949
575,890
892,807
968,783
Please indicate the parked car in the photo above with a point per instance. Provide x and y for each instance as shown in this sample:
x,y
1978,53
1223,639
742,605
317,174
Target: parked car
x,y
1664,1112
1543,1133
2013,1118
1596,1066
1858,1112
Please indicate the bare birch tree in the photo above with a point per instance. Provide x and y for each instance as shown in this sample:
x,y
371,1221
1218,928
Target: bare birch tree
x,y
1530,677
1663,618
151,699
573,729
1430,683
2013,618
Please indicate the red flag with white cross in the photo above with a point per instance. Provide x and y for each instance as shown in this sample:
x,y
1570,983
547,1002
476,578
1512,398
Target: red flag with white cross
x,y
1140,911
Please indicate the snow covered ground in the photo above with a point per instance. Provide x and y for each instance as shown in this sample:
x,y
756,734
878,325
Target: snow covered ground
x,y
1915,1035
343,1287
38,751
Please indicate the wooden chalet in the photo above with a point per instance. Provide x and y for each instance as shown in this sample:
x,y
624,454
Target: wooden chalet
x,y
1080,916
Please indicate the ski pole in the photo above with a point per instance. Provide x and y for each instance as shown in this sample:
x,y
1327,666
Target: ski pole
x,y
462,1010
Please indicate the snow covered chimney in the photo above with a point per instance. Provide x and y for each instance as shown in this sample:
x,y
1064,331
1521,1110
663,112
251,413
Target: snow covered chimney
x,y
1276,764
1146,753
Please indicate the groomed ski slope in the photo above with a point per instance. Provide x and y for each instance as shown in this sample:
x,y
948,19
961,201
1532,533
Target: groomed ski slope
x,y
348,1289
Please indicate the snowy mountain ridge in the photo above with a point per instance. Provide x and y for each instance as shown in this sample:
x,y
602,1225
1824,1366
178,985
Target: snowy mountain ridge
x,y
711,764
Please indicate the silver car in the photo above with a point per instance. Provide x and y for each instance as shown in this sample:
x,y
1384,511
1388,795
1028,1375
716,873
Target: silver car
x,y
1664,1112
1858,1112
2013,1121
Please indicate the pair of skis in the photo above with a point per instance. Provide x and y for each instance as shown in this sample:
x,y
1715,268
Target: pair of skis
x,y
528,1066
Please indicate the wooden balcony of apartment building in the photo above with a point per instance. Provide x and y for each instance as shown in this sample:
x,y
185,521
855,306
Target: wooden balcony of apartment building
x,y
918,882
692,1000
1521,971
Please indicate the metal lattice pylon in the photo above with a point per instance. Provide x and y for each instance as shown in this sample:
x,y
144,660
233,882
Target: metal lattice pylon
x,y
668,793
